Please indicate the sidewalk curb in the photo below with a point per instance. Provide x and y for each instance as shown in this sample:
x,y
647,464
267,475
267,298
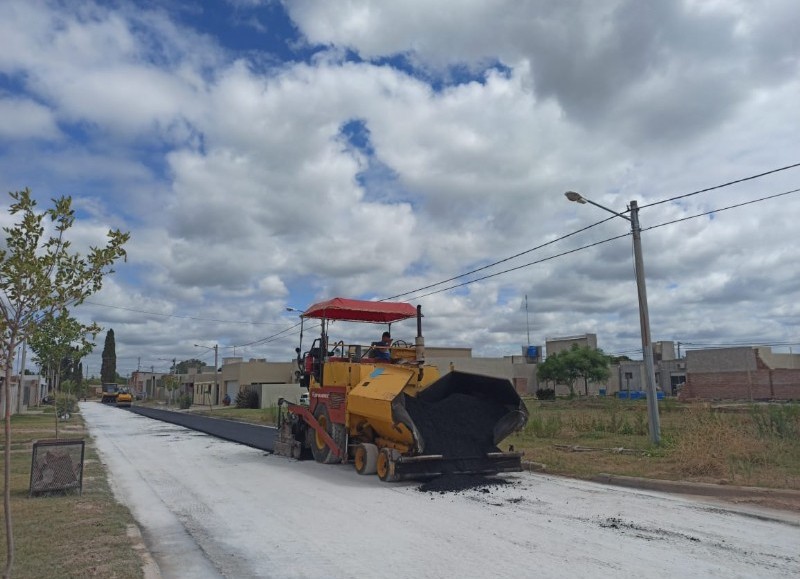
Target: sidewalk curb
x,y
680,487
694,488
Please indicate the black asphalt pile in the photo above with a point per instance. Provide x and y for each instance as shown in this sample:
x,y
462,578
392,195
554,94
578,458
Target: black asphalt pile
x,y
457,426
455,483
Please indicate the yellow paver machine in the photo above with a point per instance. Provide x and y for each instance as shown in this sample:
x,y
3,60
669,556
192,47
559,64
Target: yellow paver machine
x,y
388,411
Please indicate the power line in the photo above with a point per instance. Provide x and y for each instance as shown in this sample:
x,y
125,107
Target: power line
x,y
277,335
742,180
501,260
183,317
722,209
584,229
523,265
273,337
599,243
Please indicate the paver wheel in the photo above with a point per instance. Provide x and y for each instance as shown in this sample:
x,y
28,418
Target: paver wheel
x,y
365,458
385,466
337,432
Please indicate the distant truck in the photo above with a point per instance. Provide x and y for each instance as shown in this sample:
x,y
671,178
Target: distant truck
x,y
110,391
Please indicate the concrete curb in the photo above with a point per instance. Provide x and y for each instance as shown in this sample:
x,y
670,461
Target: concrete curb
x,y
681,487
693,488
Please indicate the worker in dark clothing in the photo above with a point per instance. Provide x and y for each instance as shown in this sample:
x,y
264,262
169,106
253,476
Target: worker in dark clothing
x,y
381,348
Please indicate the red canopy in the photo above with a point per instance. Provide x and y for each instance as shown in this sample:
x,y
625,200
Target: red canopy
x,y
361,311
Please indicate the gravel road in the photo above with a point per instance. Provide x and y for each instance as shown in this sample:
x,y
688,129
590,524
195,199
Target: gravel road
x,y
212,508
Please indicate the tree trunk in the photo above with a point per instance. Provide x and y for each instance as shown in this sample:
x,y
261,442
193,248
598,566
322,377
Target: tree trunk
x,y
7,461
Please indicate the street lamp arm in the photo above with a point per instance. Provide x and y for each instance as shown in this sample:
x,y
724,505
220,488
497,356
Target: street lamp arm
x,y
578,198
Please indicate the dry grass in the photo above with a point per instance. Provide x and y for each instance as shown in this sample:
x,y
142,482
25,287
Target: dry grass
x,y
66,535
754,446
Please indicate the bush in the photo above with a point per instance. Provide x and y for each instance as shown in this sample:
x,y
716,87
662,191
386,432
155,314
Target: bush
x,y
66,404
247,399
546,394
184,401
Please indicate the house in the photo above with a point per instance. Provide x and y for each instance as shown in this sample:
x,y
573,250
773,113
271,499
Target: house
x,y
34,388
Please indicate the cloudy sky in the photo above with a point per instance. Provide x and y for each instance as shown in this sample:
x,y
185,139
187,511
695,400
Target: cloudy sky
x,y
268,154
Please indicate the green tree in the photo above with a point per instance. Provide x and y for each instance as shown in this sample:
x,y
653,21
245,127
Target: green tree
x,y
183,367
60,342
108,368
557,370
40,276
170,382
567,366
591,364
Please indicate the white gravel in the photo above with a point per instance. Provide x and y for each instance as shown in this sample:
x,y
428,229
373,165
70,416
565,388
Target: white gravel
x,y
211,508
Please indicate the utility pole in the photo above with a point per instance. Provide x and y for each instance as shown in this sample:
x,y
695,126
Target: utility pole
x,y
527,320
216,373
653,422
21,396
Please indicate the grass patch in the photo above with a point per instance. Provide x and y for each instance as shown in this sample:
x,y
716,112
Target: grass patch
x,y
753,445
65,535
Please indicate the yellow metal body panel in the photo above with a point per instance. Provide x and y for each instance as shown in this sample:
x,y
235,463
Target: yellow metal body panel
x,y
369,403
371,389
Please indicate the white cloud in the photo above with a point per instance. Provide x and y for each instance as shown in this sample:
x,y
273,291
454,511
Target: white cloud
x,y
243,195
24,119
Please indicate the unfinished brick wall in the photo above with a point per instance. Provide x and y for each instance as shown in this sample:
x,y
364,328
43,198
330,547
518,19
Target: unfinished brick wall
x,y
762,384
727,385
786,384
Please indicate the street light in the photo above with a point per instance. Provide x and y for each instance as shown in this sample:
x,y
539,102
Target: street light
x,y
654,423
216,351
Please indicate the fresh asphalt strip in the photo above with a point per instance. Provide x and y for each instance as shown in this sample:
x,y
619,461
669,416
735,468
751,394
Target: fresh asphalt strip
x,y
261,437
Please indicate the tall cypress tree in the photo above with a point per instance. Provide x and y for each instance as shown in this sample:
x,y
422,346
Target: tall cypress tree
x,y
108,370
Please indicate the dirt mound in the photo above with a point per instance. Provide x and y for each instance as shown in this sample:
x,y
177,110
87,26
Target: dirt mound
x,y
454,483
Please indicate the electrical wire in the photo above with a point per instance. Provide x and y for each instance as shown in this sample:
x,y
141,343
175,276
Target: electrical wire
x,y
280,334
707,189
766,198
509,258
722,209
524,265
183,317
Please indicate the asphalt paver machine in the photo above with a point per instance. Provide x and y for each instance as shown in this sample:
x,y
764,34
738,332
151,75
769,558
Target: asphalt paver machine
x,y
398,418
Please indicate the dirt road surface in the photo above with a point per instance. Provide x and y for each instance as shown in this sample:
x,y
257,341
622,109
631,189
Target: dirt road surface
x,y
211,508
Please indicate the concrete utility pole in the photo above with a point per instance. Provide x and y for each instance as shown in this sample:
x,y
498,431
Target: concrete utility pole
x,y
21,396
216,377
653,421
